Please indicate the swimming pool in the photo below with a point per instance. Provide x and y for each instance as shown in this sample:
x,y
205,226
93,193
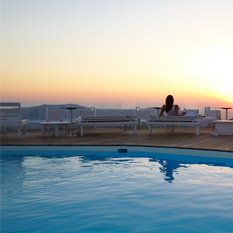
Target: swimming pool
x,y
115,189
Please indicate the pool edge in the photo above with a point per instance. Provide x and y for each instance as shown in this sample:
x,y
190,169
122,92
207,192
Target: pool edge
x,y
141,148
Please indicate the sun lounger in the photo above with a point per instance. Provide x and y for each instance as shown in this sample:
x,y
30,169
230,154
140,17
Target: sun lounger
x,y
108,121
173,121
10,117
87,113
56,125
142,115
55,119
206,121
212,113
223,127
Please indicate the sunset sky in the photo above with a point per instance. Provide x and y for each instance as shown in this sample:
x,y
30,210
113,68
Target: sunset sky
x,y
126,51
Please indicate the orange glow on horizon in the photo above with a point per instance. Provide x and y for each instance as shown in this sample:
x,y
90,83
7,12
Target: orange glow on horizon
x,y
149,97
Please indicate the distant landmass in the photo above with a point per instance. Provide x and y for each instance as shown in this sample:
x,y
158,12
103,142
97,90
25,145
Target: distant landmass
x,y
36,113
39,112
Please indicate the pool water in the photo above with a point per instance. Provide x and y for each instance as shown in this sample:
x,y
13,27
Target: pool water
x,y
114,191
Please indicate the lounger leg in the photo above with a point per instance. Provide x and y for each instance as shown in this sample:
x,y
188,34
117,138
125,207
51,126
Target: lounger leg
x,y
215,132
135,129
172,128
81,131
19,132
42,131
69,132
197,130
150,129
24,129
56,131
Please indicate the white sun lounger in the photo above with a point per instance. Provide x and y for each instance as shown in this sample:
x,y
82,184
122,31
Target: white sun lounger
x,y
56,125
173,121
223,127
55,119
108,121
10,117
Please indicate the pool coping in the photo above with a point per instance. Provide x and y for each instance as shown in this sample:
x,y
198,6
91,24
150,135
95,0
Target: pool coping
x,y
130,148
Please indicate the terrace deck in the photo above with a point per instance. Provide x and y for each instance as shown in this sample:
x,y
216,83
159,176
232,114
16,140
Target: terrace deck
x,y
161,137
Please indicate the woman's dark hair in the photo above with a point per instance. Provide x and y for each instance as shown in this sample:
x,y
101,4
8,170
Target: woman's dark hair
x,y
169,102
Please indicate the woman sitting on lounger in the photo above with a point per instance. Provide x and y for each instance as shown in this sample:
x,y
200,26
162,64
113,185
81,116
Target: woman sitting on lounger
x,y
169,109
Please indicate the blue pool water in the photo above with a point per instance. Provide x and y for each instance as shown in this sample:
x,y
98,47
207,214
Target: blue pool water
x,y
44,189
